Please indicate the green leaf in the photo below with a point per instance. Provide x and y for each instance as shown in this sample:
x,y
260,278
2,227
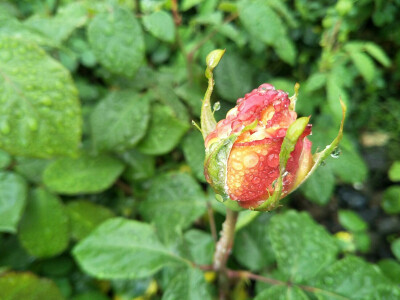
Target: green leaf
x,y
286,49
396,248
188,284
376,52
201,246
174,202
123,249
315,82
90,295
31,168
302,247
188,4
40,114
192,146
365,65
349,166
13,255
139,166
385,292
18,286
85,216
233,77
60,27
391,200
261,21
232,32
335,91
13,191
120,120
85,174
164,133
161,25
252,247
394,171
349,278
319,187
166,95
362,240
391,269
282,293
117,41
11,27
5,159
287,13
351,221
192,95
244,219
44,228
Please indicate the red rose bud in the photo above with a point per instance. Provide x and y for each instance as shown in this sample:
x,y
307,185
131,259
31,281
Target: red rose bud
x,y
260,152
253,165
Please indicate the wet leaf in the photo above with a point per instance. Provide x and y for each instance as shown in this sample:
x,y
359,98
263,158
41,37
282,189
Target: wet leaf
x,y
40,114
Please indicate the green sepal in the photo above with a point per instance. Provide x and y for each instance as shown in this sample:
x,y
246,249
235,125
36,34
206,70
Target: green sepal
x,y
207,120
319,157
293,134
217,155
293,99
212,60
216,164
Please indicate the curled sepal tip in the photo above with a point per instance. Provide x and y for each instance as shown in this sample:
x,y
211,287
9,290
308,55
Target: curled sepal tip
x,y
212,61
319,157
207,120
293,134
293,99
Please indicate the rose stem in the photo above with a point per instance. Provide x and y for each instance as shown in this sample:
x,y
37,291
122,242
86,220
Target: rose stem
x,y
222,251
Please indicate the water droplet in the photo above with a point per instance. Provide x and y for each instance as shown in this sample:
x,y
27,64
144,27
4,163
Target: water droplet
x,y
250,160
322,163
274,183
273,160
217,106
336,152
273,174
286,173
5,127
237,165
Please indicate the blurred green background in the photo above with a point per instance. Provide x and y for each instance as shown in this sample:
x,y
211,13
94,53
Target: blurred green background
x,y
96,103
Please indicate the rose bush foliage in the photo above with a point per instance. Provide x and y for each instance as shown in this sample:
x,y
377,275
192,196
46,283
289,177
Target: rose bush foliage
x,y
102,186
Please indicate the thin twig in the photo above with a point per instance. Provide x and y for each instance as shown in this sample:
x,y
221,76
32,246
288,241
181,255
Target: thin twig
x,y
205,267
175,13
249,275
222,251
124,187
211,220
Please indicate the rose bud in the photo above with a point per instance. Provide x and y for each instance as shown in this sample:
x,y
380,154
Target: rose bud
x,y
260,152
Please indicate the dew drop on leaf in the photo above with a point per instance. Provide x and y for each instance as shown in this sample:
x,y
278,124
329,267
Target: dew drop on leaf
x,y
336,152
217,106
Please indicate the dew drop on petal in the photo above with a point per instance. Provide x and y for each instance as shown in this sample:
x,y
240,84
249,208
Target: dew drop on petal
x,y
273,160
237,165
250,160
